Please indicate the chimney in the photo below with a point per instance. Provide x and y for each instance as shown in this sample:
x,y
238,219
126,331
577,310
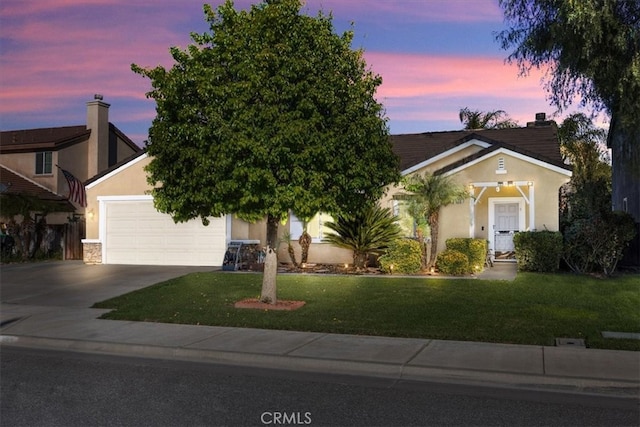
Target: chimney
x,y
98,123
541,120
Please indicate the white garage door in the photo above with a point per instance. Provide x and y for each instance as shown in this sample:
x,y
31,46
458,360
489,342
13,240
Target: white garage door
x,y
135,233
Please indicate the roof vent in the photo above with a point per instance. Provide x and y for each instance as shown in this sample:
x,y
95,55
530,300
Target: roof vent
x,y
540,117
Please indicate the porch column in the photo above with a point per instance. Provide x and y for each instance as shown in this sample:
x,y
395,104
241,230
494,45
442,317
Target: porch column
x,y
472,212
532,208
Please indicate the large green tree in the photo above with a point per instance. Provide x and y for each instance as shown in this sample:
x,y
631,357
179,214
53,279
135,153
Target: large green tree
x,y
591,49
270,111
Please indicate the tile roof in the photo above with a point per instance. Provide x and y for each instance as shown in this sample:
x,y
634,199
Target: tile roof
x,y
12,182
539,142
54,138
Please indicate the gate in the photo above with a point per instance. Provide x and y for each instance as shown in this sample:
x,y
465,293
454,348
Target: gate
x,y
74,232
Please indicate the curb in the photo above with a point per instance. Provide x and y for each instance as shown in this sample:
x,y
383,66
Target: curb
x,y
391,372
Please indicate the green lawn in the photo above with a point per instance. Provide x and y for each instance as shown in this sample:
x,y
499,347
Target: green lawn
x,y
533,309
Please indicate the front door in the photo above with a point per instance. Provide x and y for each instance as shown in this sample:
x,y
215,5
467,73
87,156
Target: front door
x,y
506,224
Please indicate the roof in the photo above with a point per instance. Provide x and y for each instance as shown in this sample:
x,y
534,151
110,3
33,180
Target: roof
x,y
539,142
115,166
53,138
28,140
12,183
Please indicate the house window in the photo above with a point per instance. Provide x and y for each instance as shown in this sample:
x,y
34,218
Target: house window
x,y
501,166
44,161
315,227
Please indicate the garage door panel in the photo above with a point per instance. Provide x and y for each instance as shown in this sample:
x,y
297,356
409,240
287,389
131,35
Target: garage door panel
x,y
137,234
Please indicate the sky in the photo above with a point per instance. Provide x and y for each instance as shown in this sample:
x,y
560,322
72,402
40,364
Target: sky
x,y
434,56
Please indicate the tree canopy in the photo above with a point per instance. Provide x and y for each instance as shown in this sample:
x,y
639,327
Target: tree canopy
x,y
590,47
267,112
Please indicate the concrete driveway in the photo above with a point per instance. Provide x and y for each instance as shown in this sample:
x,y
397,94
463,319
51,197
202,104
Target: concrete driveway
x,y
75,284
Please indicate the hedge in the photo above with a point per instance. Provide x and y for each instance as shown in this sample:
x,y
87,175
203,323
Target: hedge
x,y
452,262
405,255
474,249
538,251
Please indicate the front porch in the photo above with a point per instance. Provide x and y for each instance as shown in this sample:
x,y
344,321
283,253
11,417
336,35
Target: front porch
x,y
498,210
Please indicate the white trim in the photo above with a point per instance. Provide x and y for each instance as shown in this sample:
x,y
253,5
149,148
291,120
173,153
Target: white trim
x,y
517,156
532,210
91,240
125,198
445,154
117,170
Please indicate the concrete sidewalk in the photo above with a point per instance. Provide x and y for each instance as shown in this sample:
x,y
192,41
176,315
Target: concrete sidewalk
x,y
524,366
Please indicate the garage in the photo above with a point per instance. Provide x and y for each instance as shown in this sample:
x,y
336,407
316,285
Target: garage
x,y
123,227
135,233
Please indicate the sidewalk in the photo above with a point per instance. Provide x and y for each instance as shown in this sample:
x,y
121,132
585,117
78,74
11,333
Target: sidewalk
x,y
573,369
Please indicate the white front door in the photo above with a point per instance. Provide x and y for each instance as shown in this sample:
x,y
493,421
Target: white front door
x,y
506,217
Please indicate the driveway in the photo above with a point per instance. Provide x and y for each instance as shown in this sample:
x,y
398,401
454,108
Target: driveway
x,y
75,284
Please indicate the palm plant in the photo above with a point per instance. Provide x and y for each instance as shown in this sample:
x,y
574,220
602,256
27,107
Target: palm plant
x,y
474,119
366,232
429,193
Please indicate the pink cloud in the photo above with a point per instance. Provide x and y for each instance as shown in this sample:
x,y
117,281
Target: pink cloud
x,y
411,75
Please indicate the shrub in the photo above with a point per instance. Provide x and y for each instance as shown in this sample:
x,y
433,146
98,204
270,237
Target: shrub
x,y
597,243
474,249
366,232
452,262
405,255
538,250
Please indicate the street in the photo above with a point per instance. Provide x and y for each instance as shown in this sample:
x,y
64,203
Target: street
x,y
47,388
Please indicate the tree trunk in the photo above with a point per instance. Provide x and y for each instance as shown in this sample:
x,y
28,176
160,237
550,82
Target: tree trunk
x,y
269,277
424,262
360,260
305,242
272,231
434,222
624,141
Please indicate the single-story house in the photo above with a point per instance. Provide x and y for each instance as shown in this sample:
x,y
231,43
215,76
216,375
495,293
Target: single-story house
x,y
513,177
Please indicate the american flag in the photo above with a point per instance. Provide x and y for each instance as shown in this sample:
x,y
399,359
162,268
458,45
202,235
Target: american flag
x,y
76,188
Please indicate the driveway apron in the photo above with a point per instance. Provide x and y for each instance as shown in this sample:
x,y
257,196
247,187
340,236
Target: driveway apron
x,y
75,284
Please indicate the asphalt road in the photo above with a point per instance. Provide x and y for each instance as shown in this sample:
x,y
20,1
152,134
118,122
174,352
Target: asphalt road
x,y
44,388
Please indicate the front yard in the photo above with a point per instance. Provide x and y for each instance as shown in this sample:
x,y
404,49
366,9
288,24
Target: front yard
x,y
533,309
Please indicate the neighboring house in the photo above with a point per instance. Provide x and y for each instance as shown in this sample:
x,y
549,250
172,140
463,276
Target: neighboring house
x,y
36,157
513,177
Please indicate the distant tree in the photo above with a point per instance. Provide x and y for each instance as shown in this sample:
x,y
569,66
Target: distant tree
x,y
591,49
474,119
584,146
430,193
268,112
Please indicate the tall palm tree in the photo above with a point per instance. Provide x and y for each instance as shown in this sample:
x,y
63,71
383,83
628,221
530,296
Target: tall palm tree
x,y
429,193
475,119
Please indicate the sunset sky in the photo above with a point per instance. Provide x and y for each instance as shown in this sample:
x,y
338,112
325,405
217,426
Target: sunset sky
x,y
435,57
